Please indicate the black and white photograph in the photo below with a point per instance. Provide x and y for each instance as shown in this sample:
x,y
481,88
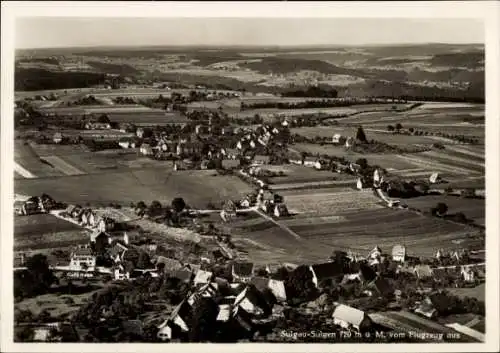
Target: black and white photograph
x,y
228,178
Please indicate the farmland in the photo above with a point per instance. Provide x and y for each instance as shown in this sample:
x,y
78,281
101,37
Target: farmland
x,y
473,209
349,220
198,188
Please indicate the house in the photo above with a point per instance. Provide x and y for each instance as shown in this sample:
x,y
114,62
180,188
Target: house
x,y
252,301
242,271
349,142
202,277
117,252
57,137
89,218
168,264
398,253
324,271
348,317
97,126
208,290
98,235
426,308
375,253
30,207
467,274
178,321
338,139
434,178
277,287
361,184
120,273
105,224
224,312
423,271
146,149
82,259
280,210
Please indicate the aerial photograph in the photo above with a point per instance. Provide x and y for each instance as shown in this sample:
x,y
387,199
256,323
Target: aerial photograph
x,y
233,180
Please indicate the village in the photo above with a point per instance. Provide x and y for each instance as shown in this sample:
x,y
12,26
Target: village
x,y
350,291
207,196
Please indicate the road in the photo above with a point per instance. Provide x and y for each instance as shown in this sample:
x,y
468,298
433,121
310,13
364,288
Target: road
x,y
282,226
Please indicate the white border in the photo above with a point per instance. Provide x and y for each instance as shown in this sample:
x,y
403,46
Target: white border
x,y
485,10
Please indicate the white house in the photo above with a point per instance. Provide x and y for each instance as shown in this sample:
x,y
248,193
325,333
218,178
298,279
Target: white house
x,y
280,210
146,149
398,253
247,300
82,259
434,178
467,274
348,317
336,138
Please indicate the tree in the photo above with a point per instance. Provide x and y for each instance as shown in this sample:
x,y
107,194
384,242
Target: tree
x,y
144,261
178,204
412,130
104,119
398,127
390,128
300,285
360,135
440,209
37,278
363,163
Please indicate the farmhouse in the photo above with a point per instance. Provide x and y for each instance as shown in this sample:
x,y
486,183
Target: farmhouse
x,y
208,290
242,271
348,317
82,259
338,139
324,271
398,253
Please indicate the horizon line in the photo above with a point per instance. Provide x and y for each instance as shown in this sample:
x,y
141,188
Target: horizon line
x,y
249,45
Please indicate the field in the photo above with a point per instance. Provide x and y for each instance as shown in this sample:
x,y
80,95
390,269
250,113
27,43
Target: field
x,y
473,209
147,118
196,187
345,219
475,292
371,134
27,158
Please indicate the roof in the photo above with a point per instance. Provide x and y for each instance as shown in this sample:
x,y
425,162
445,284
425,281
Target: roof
x,y
117,249
170,264
224,312
327,270
82,252
183,275
184,310
348,314
398,250
203,276
243,269
260,283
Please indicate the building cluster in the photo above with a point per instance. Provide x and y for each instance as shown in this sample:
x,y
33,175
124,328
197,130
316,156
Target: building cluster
x,y
36,204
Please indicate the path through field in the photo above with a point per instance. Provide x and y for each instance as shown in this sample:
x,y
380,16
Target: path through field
x,y
22,171
282,226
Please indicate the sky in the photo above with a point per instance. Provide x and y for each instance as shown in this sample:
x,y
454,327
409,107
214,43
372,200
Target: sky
x,y
54,32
